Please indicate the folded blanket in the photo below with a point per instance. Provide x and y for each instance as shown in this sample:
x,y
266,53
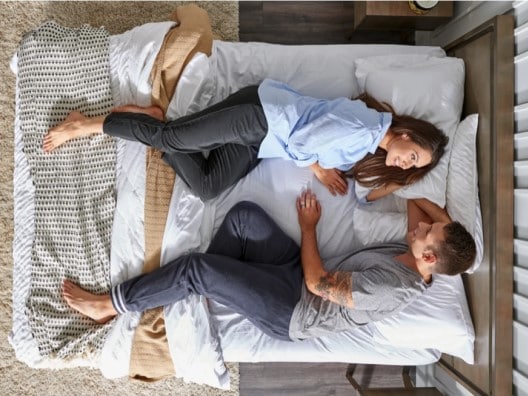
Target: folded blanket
x,y
150,358
60,70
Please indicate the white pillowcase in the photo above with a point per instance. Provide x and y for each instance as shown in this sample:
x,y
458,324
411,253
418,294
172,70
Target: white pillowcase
x,y
384,220
320,71
439,319
462,183
424,87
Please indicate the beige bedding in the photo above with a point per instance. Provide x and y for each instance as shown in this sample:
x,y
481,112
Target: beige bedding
x,y
150,359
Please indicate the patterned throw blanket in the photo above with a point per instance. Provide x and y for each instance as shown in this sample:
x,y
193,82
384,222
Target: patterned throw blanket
x,y
60,70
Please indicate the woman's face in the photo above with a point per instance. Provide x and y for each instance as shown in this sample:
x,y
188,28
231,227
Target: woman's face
x,y
405,154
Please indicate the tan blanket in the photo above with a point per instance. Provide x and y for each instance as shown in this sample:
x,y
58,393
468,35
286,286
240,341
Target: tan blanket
x,y
150,359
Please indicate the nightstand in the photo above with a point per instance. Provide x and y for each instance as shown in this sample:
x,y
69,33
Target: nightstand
x,y
397,15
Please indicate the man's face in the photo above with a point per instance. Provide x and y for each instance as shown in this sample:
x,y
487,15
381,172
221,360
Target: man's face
x,y
424,236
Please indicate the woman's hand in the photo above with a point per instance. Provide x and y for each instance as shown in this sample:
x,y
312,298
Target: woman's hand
x,y
308,211
333,179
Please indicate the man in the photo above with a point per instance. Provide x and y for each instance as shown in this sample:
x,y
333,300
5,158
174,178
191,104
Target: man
x,y
255,269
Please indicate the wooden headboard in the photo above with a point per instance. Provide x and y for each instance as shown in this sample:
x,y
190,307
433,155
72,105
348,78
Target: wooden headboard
x,y
489,90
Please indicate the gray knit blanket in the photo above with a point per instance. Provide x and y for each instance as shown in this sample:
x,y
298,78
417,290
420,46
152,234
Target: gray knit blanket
x,y
60,70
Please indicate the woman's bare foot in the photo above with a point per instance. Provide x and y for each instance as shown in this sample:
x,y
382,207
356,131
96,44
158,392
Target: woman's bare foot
x,y
96,307
61,133
74,126
153,111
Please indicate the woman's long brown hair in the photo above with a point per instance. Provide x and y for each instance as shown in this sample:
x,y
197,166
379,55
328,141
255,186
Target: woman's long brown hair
x,y
372,172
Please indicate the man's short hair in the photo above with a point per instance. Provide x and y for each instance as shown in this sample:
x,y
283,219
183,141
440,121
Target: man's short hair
x,y
456,253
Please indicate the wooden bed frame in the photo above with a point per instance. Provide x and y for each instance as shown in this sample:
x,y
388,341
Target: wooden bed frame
x,y
489,91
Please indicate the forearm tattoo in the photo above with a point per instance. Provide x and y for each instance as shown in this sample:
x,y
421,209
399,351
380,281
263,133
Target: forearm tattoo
x,y
336,287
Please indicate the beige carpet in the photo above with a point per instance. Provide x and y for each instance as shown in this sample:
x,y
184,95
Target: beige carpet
x,y
18,18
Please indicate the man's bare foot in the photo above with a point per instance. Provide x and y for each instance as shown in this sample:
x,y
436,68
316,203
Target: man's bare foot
x,y
96,307
153,111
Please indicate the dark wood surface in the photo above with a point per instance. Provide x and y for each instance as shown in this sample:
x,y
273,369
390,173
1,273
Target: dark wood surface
x,y
309,22
294,379
398,15
313,379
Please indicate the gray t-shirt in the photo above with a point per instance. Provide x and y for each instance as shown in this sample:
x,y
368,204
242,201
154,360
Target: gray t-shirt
x,y
381,286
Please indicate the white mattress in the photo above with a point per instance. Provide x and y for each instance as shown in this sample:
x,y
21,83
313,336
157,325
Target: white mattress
x,y
202,334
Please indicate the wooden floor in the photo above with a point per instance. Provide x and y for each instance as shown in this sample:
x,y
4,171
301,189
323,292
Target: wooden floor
x,y
311,22
287,379
313,379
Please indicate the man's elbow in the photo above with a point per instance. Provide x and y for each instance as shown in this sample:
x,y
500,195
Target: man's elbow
x,y
318,285
312,287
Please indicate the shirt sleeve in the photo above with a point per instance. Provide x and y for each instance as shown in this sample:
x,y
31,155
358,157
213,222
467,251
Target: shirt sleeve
x,y
336,133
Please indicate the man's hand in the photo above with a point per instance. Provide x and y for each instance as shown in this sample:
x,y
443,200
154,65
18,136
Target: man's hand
x,y
308,211
333,179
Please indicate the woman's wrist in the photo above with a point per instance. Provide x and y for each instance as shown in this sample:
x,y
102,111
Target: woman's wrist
x,y
315,167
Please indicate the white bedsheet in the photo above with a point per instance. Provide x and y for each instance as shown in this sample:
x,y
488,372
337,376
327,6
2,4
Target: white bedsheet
x,y
196,338
274,185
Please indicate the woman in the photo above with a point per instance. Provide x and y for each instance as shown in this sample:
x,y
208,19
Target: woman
x,y
379,149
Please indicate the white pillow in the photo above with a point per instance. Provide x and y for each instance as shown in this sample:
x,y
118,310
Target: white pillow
x,y
379,227
424,87
383,220
439,319
462,183
320,71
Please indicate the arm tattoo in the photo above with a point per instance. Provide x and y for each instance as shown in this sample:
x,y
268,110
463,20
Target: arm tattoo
x,y
337,287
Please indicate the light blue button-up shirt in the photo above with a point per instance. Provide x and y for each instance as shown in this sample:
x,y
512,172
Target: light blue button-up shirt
x,y
336,133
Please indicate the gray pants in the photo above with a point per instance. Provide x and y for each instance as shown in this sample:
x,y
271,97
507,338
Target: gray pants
x,y
251,266
231,131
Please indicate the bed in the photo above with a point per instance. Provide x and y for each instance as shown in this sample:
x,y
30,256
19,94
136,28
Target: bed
x,y
422,81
